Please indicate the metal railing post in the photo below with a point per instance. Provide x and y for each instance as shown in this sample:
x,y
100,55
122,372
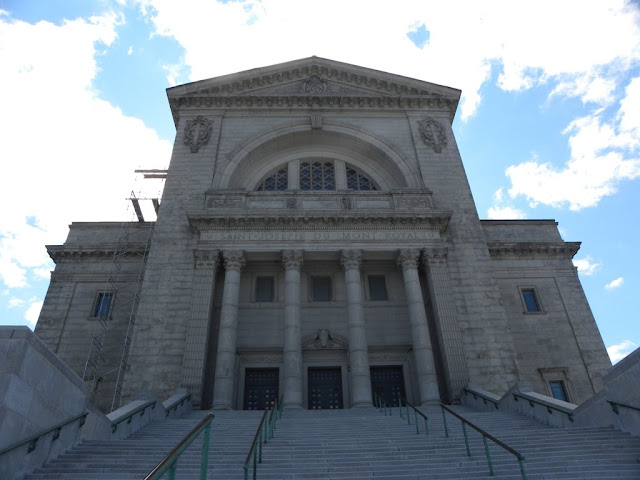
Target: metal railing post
x,y
172,471
204,465
415,417
486,449
444,419
466,439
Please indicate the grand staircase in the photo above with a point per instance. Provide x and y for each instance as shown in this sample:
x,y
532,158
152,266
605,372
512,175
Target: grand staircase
x,y
361,444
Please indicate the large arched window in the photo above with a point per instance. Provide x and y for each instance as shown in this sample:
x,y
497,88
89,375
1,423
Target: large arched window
x,y
275,181
316,175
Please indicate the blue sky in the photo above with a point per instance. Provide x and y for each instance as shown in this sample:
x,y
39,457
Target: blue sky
x,y
548,126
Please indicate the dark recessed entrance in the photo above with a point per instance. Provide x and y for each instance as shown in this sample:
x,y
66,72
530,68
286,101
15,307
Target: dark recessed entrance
x,y
388,383
260,388
325,388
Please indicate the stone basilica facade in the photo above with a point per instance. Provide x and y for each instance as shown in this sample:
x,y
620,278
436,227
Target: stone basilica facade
x,y
317,240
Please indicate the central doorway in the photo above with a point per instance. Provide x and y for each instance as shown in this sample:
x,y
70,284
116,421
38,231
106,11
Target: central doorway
x,y
260,388
387,381
325,388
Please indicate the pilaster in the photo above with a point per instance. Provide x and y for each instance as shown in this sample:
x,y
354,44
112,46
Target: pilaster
x,y
446,320
195,350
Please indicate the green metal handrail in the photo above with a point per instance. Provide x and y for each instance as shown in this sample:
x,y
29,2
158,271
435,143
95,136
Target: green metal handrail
x,y
615,405
264,433
33,439
170,461
484,398
129,417
550,408
382,406
485,435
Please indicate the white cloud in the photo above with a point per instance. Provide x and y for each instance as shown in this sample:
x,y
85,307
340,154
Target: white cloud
x,y
505,213
617,283
498,211
16,302
33,312
70,156
586,265
619,351
600,159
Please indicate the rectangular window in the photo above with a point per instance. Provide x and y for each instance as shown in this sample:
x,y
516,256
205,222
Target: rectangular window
x,y
103,304
264,289
377,288
530,298
321,289
558,391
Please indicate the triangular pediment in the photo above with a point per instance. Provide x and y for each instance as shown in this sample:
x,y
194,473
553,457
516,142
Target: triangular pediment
x,y
313,77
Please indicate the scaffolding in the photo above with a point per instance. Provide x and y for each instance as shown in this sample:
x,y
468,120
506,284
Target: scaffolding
x,y
107,360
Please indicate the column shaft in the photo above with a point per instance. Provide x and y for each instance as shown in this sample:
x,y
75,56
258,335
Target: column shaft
x,y
292,349
228,333
195,351
360,374
423,353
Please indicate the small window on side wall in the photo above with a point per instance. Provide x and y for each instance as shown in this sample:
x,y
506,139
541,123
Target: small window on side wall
x,y
558,391
264,289
103,303
377,288
530,300
321,289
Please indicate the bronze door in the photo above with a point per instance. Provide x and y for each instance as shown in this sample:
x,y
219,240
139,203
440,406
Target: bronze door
x,y
260,388
388,383
325,388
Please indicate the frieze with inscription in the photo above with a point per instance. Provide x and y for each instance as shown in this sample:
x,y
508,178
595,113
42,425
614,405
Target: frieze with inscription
x,y
319,236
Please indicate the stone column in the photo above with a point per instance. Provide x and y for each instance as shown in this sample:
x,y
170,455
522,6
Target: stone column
x,y
292,350
446,319
195,350
228,333
422,351
360,374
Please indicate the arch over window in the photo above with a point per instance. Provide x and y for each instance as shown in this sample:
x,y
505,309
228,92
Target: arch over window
x,y
253,162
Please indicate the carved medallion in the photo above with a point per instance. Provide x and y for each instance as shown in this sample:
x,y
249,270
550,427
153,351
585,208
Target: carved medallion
x,y
314,85
432,134
197,133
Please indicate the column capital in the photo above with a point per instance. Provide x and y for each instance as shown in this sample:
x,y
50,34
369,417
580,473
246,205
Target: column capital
x,y
233,259
351,259
434,256
206,258
292,259
408,258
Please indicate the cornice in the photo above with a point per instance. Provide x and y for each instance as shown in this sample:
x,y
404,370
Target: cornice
x,y
288,102
203,221
65,252
534,249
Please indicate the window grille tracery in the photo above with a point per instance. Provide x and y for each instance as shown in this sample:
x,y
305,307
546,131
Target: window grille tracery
x,y
317,176
277,181
357,181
